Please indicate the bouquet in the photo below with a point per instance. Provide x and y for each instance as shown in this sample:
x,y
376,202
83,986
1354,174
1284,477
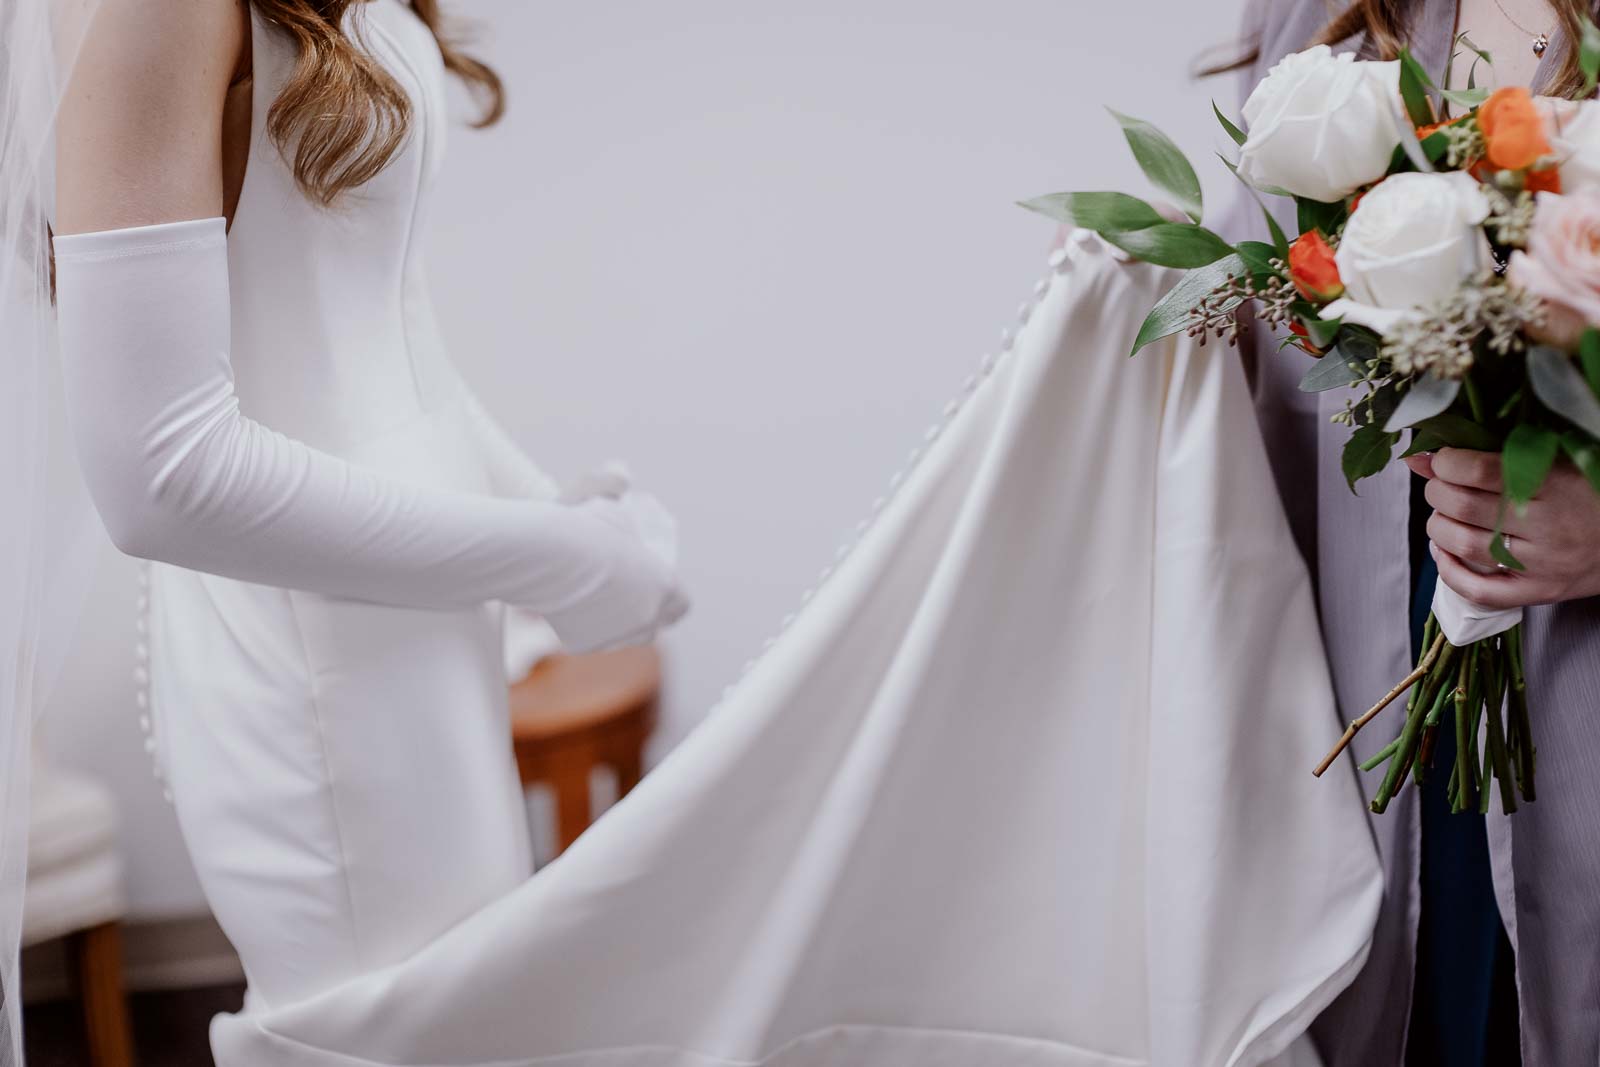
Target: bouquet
x,y
1446,274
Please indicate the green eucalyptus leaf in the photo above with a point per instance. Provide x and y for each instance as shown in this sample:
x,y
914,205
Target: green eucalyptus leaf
x,y
1279,238
1323,331
1481,57
1171,244
1163,162
1400,159
1418,444
1525,460
1358,343
1367,452
1497,544
1172,313
1588,53
1450,430
1467,98
1381,404
1561,387
1234,132
1413,148
1435,146
1330,372
1098,211
1589,356
1510,403
1414,86
1317,215
1258,256
1427,397
1585,455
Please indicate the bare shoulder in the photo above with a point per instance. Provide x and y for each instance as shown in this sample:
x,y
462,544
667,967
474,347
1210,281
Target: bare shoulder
x,y
139,130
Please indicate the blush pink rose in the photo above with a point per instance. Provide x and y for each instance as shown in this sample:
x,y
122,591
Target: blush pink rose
x,y
1573,128
1562,265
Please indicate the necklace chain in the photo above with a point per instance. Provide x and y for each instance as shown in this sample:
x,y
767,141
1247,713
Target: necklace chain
x,y
1541,39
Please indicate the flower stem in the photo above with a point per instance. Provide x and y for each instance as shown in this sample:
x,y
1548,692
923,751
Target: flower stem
x,y
1486,680
1474,400
1388,750
1466,753
1527,751
1502,766
1406,683
1410,738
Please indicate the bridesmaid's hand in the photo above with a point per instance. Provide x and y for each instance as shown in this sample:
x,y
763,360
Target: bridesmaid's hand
x,y
1557,539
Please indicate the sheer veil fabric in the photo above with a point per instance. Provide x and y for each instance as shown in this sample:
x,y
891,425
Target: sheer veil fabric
x,y
48,534
1023,783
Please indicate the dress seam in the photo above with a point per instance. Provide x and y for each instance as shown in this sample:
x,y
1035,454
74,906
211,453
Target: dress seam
x,y
421,129
333,802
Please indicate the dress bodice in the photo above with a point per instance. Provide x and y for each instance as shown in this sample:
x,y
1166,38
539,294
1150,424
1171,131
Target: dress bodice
x,y
333,332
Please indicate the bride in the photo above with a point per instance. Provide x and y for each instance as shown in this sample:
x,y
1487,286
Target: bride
x,y
1023,783
261,403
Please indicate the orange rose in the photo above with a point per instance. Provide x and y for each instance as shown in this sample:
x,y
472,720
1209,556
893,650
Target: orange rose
x,y
1312,269
1544,181
1513,129
1297,328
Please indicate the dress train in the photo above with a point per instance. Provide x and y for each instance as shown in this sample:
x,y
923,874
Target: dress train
x,y
1024,784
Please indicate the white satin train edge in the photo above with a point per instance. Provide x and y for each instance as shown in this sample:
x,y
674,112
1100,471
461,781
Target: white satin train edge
x,y
1026,782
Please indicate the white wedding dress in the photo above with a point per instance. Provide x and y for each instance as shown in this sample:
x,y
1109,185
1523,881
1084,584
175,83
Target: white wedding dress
x,y
1023,783
321,655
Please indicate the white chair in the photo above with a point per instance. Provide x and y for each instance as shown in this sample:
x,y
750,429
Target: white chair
x,y
74,891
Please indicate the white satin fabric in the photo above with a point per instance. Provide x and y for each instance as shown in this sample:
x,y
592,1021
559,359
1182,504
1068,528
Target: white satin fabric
x,y
1025,783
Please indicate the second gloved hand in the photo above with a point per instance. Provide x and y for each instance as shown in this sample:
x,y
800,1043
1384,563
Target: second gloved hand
x,y
638,595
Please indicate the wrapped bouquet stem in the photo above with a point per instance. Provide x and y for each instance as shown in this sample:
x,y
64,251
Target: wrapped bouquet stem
x,y
1466,679
1444,278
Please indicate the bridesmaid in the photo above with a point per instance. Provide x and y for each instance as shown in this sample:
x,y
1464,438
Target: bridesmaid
x,y
1486,947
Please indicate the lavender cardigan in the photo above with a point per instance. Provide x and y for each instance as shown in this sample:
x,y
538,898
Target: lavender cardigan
x,y
1545,858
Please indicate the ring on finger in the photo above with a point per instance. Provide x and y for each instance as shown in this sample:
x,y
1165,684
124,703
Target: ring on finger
x,y
1505,542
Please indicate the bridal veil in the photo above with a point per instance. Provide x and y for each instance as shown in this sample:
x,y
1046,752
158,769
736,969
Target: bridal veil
x,y
47,535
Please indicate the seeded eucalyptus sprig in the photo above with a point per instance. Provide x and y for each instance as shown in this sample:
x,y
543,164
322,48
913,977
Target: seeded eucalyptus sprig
x,y
1217,313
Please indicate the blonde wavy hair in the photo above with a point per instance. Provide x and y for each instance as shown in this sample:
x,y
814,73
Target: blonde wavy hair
x,y
341,117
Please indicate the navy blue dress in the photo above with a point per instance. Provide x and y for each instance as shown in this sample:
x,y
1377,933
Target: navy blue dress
x,y
1464,1004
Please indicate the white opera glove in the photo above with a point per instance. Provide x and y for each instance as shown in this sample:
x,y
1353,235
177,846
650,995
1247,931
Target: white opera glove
x,y
179,475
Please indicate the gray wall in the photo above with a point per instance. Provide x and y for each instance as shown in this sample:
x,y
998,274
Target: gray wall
x,y
751,250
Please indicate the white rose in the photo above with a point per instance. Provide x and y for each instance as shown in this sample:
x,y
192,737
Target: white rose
x,y
1321,126
1407,247
1573,128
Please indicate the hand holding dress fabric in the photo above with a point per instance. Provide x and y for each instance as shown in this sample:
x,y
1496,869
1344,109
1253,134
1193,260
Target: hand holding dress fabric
x,y
180,475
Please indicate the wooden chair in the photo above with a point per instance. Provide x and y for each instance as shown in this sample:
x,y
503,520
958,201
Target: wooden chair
x,y
574,713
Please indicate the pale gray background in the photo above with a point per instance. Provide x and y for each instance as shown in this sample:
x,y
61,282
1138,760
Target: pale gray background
x,y
753,251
